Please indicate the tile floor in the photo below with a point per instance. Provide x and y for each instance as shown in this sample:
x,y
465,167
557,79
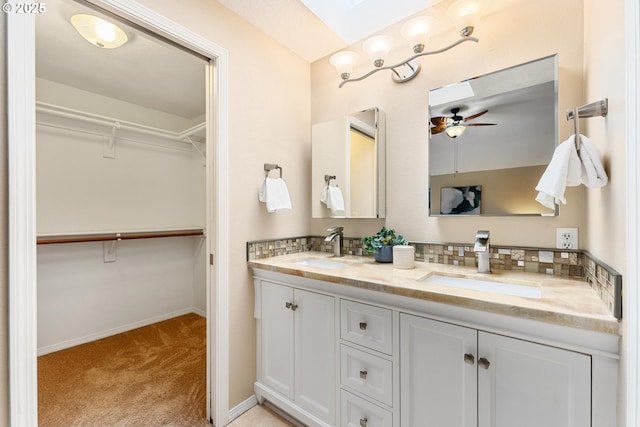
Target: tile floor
x,y
260,416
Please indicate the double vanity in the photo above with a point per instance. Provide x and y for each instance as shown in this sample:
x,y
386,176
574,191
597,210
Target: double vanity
x,y
346,341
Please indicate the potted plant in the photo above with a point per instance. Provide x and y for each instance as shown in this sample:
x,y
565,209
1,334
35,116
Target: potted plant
x,y
381,245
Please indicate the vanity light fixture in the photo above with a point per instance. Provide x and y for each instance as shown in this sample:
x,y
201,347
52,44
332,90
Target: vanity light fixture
x,y
99,32
464,13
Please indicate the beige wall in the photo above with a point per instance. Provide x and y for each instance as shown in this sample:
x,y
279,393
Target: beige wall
x,y
270,115
269,105
4,275
513,31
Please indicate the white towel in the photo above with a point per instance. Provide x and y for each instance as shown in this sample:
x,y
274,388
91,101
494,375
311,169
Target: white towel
x,y
332,197
593,174
566,169
275,194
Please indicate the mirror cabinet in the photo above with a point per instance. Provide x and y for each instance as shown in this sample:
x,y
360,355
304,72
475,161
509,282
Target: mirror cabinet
x,y
348,166
491,139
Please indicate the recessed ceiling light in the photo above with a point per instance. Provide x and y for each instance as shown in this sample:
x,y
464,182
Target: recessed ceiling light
x,y
99,32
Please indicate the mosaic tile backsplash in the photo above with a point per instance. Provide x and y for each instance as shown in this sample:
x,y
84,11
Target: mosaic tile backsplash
x,y
570,264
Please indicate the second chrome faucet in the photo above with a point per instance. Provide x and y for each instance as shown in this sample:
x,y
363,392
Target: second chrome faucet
x,y
337,238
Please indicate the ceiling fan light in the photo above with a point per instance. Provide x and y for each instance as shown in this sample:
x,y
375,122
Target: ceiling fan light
x,y
378,47
454,131
417,31
344,62
99,32
466,15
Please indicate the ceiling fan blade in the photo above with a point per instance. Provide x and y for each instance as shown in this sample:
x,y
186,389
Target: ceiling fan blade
x,y
466,119
480,124
437,129
439,121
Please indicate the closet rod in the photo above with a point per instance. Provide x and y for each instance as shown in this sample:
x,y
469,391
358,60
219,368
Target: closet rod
x,y
70,113
106,237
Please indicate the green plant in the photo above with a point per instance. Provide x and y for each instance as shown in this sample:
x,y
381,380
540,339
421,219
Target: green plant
x,y
385,237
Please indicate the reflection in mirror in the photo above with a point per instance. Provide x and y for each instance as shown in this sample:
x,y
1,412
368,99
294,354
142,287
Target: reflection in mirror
x,y
348,166
491,139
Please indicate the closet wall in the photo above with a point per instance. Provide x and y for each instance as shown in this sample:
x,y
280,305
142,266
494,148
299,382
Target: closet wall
x,y
90,290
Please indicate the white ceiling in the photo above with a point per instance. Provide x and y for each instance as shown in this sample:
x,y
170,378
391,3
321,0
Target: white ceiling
x,y
315,28
134,72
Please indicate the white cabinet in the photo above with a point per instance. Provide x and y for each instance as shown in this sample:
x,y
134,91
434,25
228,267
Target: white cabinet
x,y
457,376
297,351
531,385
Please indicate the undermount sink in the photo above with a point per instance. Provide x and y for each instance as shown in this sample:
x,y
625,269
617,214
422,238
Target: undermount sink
x,y
322,263
484,285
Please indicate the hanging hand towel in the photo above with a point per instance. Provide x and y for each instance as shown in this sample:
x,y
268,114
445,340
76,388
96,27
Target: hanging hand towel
x,y
332,197
593,174
275,194
563,171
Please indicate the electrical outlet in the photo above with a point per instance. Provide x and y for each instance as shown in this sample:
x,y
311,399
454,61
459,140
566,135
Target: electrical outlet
x,y
567,238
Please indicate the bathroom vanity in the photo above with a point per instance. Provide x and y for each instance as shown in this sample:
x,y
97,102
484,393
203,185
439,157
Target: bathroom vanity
x,y
351,342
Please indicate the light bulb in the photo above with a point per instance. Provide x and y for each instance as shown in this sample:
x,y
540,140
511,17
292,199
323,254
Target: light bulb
x,y
377,47
466,15
417,30
344,62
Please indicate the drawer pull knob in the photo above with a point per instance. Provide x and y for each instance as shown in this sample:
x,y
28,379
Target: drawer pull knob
x,y
363,375
469,359
291,306
484,363
363,422
363,326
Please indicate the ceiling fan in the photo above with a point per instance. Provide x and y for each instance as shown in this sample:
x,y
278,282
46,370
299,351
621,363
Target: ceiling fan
x,y
454,126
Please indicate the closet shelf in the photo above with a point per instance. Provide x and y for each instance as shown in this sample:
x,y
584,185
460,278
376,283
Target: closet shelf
x,y
70,113
111,236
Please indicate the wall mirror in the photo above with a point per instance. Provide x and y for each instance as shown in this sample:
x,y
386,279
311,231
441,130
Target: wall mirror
x,y
348,166
491,138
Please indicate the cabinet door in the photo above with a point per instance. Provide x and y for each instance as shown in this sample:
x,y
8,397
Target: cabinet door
x,y
438,384
315,366
277,338
531,385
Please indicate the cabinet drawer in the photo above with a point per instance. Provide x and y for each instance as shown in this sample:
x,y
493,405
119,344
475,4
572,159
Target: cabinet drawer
x,y
357,412
368,374
366,325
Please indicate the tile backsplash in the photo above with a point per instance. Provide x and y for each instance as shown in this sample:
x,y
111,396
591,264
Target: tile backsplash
x,y
570,264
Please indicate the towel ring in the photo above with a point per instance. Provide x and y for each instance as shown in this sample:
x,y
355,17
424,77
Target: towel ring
x,y
328,178
268,167
576,131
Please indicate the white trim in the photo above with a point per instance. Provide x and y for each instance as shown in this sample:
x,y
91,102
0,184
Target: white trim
x,y
114,331
632,277
22,253
23,387
242,407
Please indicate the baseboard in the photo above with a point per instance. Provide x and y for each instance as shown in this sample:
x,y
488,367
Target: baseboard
x,y
241,408
114,331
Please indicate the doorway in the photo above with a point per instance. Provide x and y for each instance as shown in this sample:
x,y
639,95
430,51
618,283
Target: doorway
x,y
22,259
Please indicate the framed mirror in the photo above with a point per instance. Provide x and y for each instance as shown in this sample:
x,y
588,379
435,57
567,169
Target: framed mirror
x,y
348,166
491,139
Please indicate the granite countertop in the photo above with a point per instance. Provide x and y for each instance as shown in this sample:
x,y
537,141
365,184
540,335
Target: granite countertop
x,y
567,302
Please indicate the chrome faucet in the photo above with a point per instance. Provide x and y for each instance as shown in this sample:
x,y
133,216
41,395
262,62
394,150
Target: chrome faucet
x,y
337,238
482,248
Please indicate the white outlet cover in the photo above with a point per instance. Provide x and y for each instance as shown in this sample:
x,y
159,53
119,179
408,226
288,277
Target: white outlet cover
x,y
567,238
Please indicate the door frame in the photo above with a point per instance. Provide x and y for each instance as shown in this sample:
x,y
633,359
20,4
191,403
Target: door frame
x,y
21,188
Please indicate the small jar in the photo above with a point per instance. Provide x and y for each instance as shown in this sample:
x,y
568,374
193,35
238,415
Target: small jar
x,y
404,257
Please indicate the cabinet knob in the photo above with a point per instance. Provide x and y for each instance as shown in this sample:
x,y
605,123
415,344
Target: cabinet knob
x,y
363,422
484,363
363,375
291,306
469,359
363,326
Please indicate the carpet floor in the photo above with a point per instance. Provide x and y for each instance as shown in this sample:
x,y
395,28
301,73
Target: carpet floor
x,y
153,376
